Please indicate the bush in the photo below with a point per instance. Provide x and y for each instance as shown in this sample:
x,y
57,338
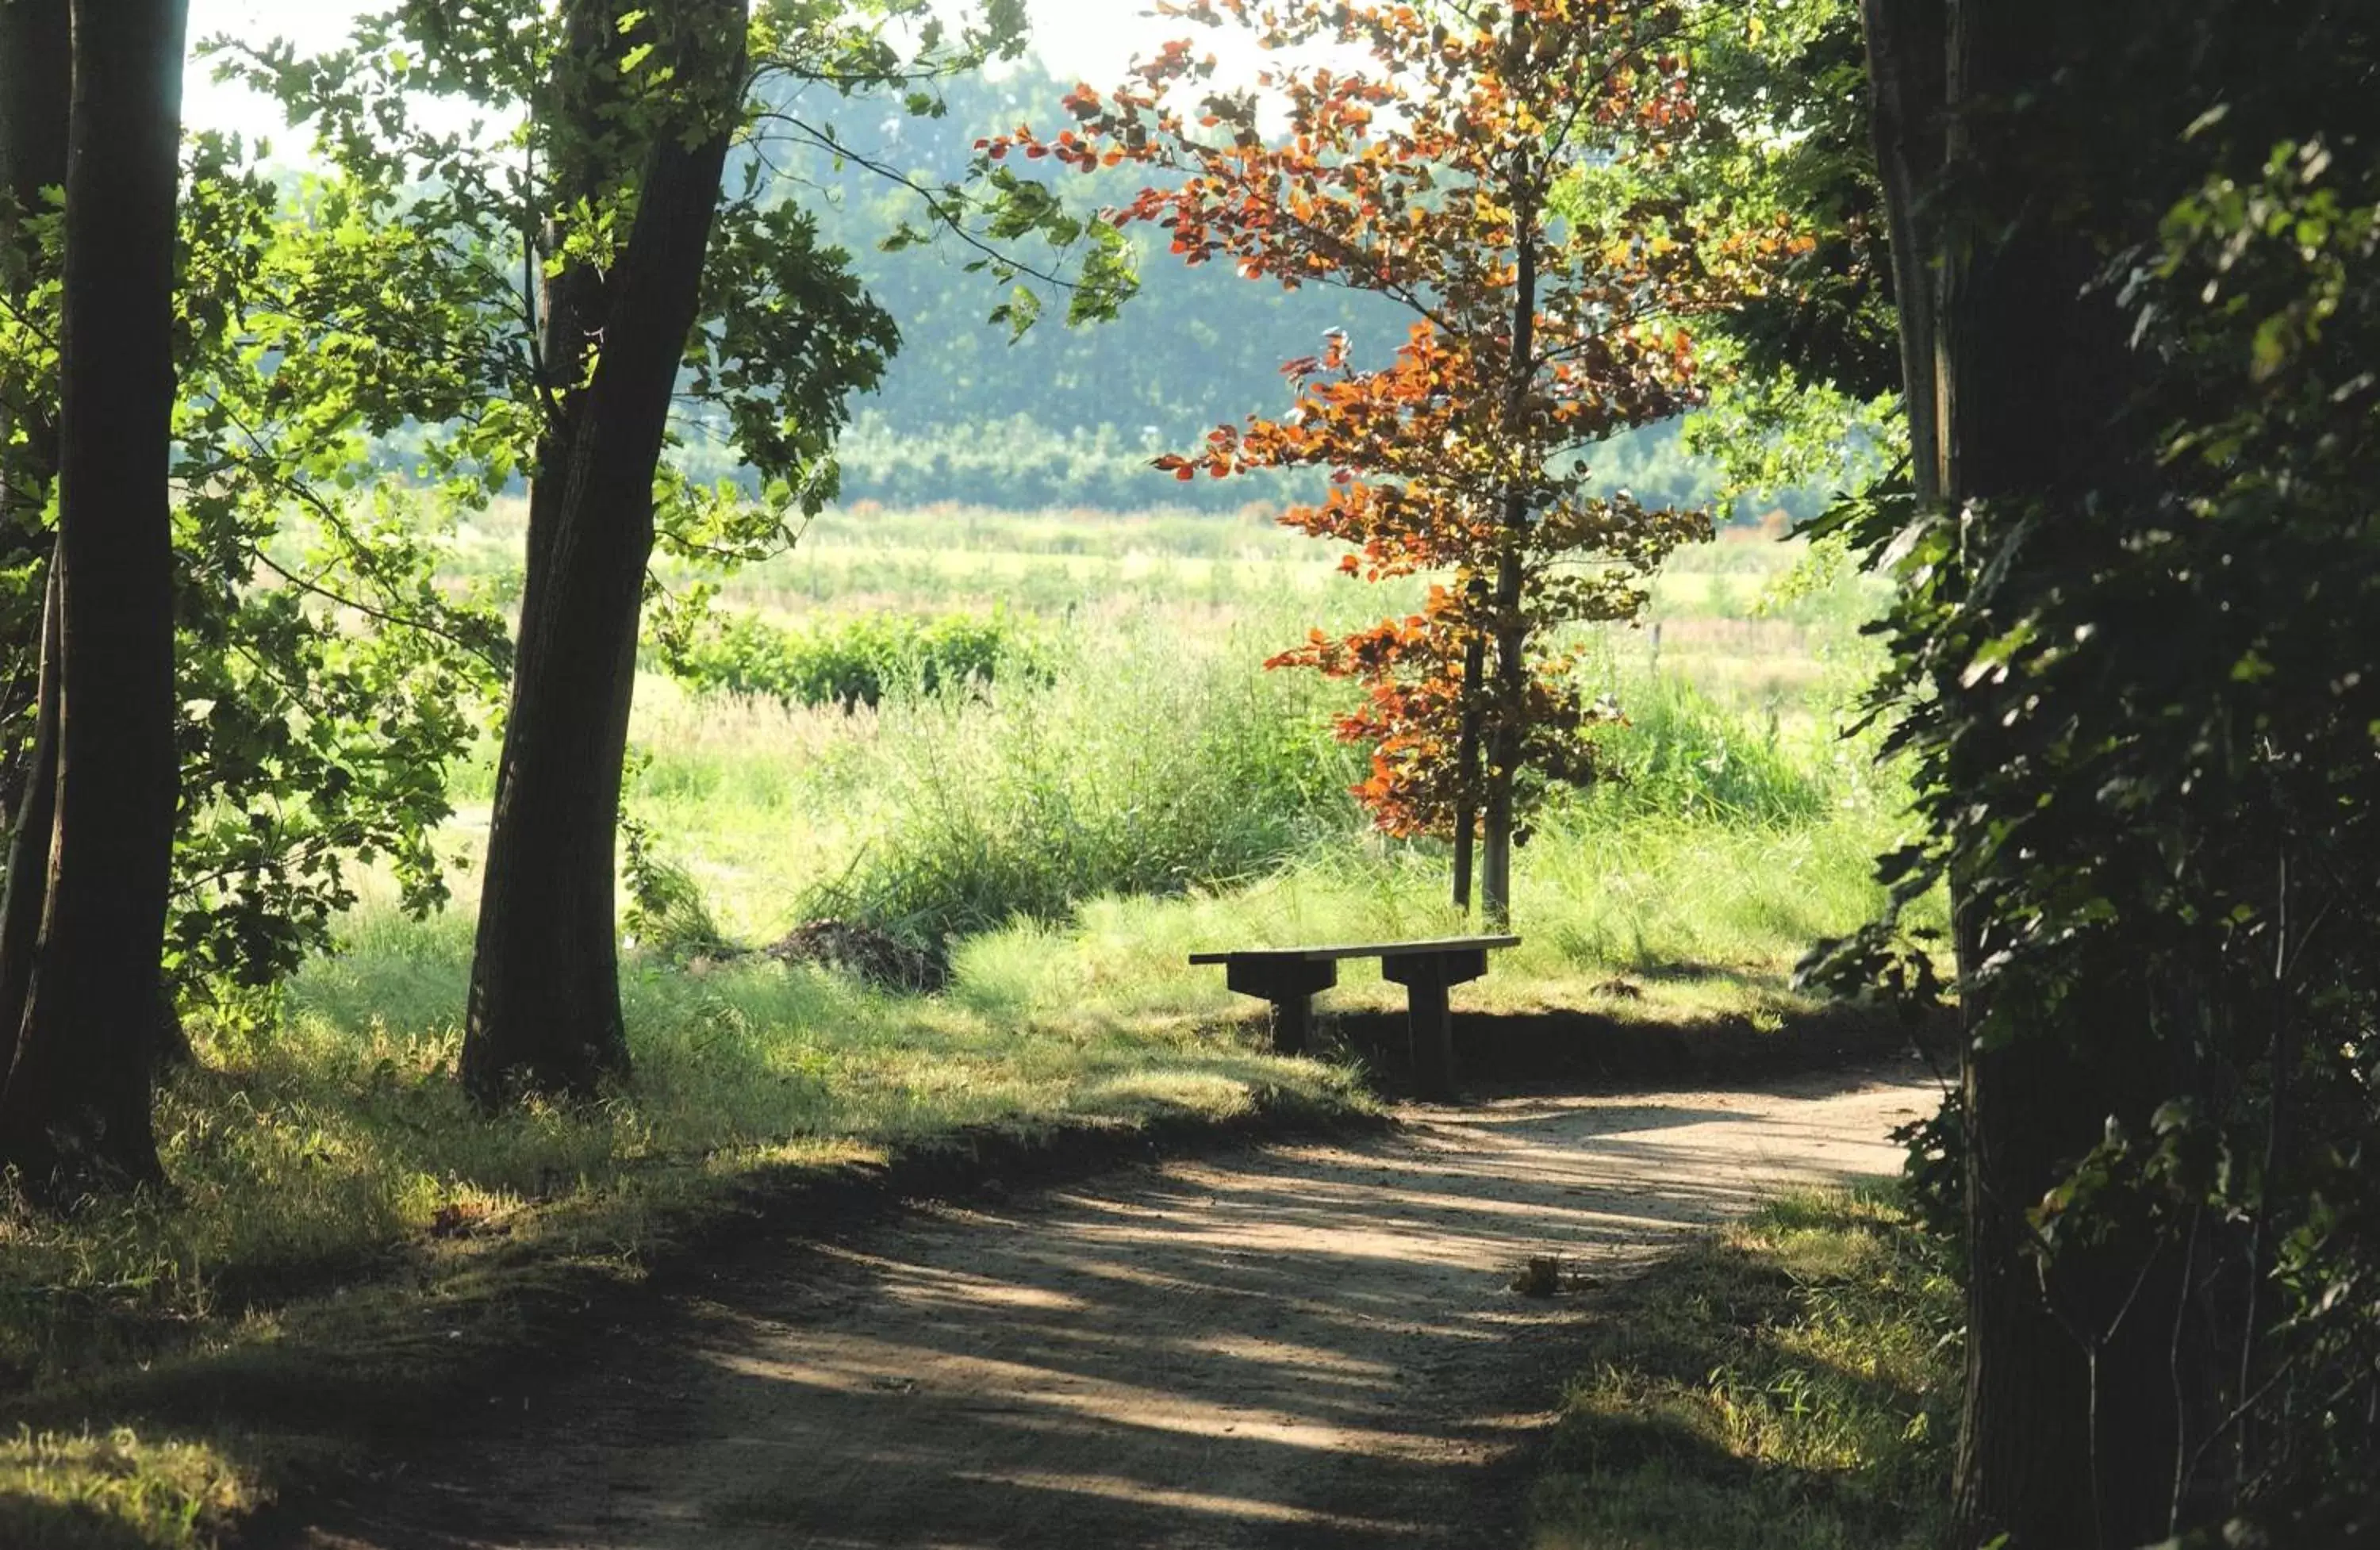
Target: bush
x,y
850,663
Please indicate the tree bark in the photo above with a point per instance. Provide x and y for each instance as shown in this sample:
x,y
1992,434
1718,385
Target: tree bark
x,y
1466,761
27,887
589,155
1908,62
75,1114
544,1011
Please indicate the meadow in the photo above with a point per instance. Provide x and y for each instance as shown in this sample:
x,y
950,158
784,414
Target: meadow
x,y
1128,785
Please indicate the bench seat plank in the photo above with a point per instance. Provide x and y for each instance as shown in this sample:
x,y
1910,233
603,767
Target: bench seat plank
x,y
1336,952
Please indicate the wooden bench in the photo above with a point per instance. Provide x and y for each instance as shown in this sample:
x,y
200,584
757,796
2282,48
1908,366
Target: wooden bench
x,y
1289,977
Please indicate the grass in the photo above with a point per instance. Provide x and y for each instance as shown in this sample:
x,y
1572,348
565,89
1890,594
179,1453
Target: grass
x,y
348,1243
1788,1383
72,1490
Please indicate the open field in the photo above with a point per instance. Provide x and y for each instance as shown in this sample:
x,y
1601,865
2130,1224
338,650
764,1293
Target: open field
x,y
1062,838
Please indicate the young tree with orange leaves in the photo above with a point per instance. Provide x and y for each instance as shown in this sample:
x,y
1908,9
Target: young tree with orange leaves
x,y
1465,171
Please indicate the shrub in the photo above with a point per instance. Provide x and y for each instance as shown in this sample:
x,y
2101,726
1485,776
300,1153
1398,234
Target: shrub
x,y
850,663
667,913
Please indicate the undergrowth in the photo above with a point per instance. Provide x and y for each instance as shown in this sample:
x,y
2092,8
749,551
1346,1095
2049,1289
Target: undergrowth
x,y
1151,760
853,662
1149,764
114,1491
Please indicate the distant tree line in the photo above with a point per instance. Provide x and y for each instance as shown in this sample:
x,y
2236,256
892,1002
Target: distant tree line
x,y
968,411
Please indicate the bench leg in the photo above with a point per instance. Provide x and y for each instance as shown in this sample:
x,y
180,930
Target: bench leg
x,y
1292,1024
1425,977
1433,1038
1290,983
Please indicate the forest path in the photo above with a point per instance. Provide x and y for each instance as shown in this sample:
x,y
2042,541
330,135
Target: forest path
x,y
1300,1344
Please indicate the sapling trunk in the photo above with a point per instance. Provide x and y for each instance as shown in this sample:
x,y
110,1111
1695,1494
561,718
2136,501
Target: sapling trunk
x,y
1511,699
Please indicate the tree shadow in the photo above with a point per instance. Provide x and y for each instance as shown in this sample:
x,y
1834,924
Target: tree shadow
x,y
1310,1344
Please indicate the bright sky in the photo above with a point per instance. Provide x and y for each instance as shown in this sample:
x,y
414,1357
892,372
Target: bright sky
x,y
1089,39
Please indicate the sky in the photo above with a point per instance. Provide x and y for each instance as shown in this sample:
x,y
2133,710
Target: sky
x,y
1086,39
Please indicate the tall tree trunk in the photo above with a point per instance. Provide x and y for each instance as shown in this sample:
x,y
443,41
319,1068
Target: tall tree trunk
x,y
75,1114
36,85
582,102
584,99
2013,378
27,884
1507,729
544,1011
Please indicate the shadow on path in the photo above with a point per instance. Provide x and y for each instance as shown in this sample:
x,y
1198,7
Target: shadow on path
x,y
1297,1345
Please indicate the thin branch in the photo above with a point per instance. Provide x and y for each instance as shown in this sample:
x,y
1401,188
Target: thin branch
x,y
386,616
952,221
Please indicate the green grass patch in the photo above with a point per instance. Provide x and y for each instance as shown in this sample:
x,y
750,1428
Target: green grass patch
x,y
852,661
115,1492
1787,1384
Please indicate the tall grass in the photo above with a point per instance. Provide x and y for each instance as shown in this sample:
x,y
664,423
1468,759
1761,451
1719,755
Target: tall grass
x,y
1680,755
1148,755
1152,762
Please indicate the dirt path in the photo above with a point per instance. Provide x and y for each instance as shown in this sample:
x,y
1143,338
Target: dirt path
x,y
1295,1345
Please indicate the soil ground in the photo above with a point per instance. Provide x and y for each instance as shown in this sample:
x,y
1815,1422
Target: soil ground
x,y
1308,1344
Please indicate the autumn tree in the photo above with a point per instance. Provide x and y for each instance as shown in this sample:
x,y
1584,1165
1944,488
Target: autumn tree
x,y
74,1110
1460,163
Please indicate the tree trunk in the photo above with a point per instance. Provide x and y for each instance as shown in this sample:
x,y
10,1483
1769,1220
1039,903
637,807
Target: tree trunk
x,y
1466,759
1504,740
1907,63
2014,379
36,83
581,103
27,884
1511,631
75,1115
544,1012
